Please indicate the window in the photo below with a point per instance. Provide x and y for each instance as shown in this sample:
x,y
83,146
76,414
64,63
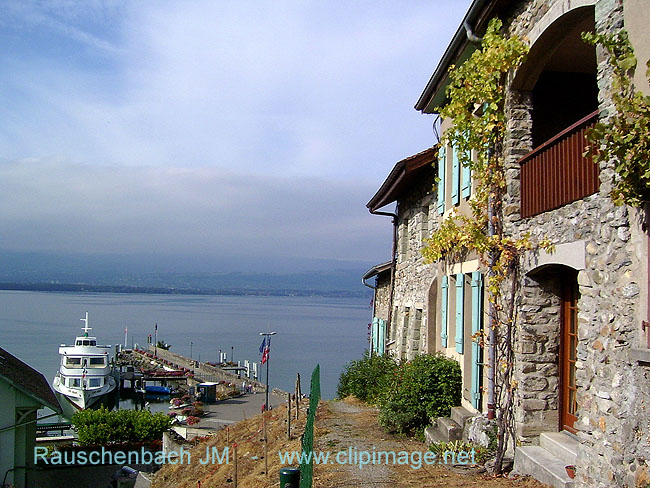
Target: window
x,y
74,382
72,362
97,362
95,382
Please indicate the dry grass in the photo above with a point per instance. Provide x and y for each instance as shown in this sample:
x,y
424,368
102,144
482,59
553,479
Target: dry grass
x,y
350,423
248,435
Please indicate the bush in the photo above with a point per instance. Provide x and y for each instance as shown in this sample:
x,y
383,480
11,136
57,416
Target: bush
x,y
366,378
100,426
428,386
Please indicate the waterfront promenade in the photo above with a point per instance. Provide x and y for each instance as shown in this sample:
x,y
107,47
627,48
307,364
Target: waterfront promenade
x,y
224,412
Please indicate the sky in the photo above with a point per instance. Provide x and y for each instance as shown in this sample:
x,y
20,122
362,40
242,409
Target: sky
x,y
210,128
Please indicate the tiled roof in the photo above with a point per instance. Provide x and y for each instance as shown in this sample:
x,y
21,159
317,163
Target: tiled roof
x,y
28,380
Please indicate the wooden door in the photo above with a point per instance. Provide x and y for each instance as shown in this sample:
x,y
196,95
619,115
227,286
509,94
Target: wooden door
x,y
568,347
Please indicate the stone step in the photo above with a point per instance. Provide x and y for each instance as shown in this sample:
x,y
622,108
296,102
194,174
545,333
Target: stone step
x,y
561,444
432,435
460,415
537,462
449,429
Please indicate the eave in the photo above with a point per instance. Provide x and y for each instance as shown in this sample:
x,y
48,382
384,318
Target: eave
x,y
402,177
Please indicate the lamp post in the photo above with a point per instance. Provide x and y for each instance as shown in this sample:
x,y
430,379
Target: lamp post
x,y
232,354
191,344
267,336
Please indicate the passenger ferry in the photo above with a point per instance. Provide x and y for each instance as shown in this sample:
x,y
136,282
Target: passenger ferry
x,y
85,378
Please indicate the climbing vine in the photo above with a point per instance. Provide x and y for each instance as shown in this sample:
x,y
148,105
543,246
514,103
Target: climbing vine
x,y
476,99
625,137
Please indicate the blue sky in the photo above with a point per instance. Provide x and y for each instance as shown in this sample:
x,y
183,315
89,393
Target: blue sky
x,y
210,128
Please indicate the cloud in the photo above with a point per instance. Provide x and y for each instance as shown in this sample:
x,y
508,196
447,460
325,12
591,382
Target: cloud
x,y
169,210
253,127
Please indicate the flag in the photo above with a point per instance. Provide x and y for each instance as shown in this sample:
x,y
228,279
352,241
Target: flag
x,y
267,349
263,345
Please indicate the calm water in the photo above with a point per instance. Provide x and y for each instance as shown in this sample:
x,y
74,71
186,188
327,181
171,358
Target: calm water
x,y
309,330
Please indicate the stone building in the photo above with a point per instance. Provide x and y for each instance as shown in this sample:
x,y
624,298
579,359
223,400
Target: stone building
x,y
582,355
434,307
382,273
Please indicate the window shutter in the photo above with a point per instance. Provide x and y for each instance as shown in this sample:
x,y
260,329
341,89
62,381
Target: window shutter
x,y
477,316
466,184
443,310
441,180
382,337
460,311
455,177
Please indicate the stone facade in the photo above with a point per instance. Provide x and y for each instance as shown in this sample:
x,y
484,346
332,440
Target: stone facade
x,y
597,276
413,276
610,271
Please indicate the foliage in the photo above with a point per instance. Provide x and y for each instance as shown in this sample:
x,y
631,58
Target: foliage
x,y
476,101
625,138
427,386
163,345
366,378
481,453
95,427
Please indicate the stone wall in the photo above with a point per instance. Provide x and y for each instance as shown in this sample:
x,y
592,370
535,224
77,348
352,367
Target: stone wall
x,y
382,295
613,388
413,276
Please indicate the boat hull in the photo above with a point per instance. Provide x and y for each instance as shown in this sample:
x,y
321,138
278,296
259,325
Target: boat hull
x,y
87,399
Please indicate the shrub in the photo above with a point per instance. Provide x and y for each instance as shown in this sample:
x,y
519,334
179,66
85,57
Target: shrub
x,y
366,378
100,426
428,386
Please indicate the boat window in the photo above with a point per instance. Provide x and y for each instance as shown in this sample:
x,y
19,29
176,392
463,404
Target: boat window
x,y
73,362
74,383
93,343
78,343
86,342
95,382
96,361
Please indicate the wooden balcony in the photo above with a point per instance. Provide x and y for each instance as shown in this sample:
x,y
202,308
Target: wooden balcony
x,y
557,173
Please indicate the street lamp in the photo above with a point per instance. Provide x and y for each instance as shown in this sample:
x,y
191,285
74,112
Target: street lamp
x,y
191,343
267,336
232,354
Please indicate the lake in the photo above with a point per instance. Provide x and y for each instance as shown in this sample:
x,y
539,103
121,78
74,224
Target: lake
x,y
310,330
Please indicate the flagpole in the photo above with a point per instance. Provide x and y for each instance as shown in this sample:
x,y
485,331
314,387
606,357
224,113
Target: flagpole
x,y
267,337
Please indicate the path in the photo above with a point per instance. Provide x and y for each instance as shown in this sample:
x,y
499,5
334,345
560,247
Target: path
x,y
352,427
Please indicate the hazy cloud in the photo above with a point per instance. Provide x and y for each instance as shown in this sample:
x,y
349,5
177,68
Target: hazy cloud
x,y
210,126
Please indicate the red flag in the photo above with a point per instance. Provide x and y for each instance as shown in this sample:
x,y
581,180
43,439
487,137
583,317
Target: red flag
x,y
265,355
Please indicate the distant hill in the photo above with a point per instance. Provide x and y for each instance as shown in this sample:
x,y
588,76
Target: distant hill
x,y
155,274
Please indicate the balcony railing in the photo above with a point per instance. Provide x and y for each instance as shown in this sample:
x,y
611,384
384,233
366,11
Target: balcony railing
x,y
557,173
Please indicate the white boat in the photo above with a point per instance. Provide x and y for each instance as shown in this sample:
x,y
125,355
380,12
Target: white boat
x,y
84,379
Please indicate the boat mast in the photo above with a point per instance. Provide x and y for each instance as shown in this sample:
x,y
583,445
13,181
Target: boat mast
x,y
85,328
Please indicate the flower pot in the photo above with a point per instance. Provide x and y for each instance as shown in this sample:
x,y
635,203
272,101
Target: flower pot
x,y
570,471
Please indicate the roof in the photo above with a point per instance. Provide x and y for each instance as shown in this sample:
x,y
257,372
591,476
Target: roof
x,y
28,380
377,269
403,175
458,50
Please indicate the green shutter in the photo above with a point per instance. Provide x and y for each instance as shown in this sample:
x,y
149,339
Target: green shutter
x,y
441,180
374,334
466,184
460,311
477,317
382,337
455,177
443,310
